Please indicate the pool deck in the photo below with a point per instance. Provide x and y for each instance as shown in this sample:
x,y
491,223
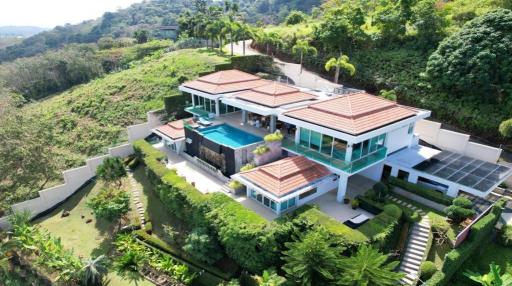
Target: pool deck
x,y
235,120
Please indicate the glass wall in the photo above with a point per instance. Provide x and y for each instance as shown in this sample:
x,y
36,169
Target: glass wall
x,y
264,200
209,105
288,204
362,149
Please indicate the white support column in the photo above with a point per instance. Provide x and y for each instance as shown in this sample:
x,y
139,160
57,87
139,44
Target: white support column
x,y
244,117
272,123
193,100
453,191
342,187
394,172
217,107
348,153
297,135
413,178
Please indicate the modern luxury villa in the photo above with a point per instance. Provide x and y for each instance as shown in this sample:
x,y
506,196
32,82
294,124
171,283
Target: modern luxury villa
x,y
324,139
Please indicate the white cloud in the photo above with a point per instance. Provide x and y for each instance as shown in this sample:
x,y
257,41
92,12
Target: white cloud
x,y
50,13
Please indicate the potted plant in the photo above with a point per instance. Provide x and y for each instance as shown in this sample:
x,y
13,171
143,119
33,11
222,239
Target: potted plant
x,y
346,200
236,186
354,203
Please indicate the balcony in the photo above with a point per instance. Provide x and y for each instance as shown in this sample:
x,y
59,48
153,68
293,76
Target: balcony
x,y
197,111
348,167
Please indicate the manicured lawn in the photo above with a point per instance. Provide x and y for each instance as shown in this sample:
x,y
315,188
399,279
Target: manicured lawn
x,y
437,253
479,262
86,240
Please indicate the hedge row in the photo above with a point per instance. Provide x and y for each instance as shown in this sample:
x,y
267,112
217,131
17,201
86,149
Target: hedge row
x,y
480,233
381,229
419,190
246,237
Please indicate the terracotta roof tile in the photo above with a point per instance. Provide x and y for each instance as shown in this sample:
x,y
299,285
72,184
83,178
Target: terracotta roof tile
x,y
286,175
173,130
353,113
274,94
225,81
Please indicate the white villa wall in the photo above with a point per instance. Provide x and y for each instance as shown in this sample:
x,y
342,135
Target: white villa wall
x,y
373,173
431,132
77,177
323,187
141,131
398,138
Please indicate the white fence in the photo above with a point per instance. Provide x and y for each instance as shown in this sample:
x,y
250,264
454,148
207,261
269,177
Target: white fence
x,y
432,133
77,177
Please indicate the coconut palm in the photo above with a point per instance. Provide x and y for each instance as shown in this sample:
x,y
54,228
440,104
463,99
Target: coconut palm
x,y
301,49
368,267
340,63
94,271
493,278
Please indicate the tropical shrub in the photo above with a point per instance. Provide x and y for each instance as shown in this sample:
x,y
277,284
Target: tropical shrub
x,y
419,190
110,204
247,167
295,17
273,137
235,185
111,170
381,191
427,270
260,150
505,128
505,236
201,245
459,210
494,277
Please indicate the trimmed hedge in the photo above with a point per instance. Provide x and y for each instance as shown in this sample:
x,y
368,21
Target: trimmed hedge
x,y
381,228
480,233
422,191
246,236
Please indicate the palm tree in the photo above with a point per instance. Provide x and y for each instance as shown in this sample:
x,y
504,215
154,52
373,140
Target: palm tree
x,y
94,271
311,259
340,63
302,48
129,265
268,39
493,278
367,267
269,278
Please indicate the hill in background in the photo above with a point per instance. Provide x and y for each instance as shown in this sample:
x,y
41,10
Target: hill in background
x,y
20,31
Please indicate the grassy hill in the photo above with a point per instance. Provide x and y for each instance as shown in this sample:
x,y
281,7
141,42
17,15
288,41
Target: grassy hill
x,y
93,116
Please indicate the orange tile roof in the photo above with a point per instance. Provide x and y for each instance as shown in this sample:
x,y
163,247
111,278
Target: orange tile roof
x,y
225,81
353,113
173,130
274,94
286,175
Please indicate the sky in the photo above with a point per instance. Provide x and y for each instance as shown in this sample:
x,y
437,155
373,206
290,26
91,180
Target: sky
x,y
50,13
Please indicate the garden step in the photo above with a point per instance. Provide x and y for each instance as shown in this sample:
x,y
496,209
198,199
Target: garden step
x,y
412,261
417,233
408,268
413,256
415,251
421,228
423,239
418,247
406,281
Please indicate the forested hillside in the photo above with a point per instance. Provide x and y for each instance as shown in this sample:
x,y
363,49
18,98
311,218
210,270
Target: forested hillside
x,y
447,56
44,138
149,16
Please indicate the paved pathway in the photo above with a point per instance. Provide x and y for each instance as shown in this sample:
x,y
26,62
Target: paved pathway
x,y
135,190
306,79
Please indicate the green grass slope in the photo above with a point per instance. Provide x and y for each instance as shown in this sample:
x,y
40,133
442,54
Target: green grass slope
x,y
93,116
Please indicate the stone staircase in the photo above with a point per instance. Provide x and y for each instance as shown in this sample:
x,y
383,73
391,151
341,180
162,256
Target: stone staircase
x,y
136,199
415,252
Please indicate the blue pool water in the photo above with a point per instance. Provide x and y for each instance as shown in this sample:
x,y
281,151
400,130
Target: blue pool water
x,y
230,136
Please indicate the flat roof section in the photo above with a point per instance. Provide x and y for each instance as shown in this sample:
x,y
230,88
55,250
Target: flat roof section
x,y
473,173
274,94
354,114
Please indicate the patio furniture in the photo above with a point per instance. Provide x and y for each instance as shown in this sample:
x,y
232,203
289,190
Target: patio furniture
x,y
357,221
204,121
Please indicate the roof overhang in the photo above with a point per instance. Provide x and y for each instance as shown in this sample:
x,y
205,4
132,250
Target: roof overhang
x,y
167,137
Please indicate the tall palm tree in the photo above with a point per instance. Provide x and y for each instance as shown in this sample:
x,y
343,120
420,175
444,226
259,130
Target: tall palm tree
x,y
493,278
368,267
340,63
94,271
302,48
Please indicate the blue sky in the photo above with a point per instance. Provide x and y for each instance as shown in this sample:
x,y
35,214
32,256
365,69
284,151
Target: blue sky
x,y
50,13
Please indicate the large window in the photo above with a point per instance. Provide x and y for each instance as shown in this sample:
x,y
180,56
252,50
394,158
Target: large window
x,y
367,147
315,141
326,144
304,137
339,149
288,204
264,200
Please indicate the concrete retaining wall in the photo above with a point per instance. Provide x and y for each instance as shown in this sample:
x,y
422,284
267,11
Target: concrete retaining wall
x,y
77,177
432,133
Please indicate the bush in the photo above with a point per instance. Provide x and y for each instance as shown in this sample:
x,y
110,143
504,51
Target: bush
x,y
273,137
381,191
260,150
112,169
436,280
505,237
422,191
428,269
247,167
202,246
506,128
369,205
462,202
235,185
295,17
459,210
393,210
110,204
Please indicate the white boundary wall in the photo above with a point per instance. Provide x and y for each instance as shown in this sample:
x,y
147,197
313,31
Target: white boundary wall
x,y
432,133
77,177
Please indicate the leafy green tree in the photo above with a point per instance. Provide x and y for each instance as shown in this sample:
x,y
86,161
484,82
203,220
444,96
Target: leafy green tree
x,y
269,278
506,128
368,267
312,260
110,204
302,49
142,36
475,61
268,39
341,63
94,271
295,17
111,170
493,278
202,246
430,25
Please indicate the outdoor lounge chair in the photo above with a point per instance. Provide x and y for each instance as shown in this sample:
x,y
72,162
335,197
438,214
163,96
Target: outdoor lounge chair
x,y
204,121
357,221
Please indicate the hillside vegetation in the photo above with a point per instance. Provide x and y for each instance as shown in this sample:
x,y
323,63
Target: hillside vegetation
x,y
86,119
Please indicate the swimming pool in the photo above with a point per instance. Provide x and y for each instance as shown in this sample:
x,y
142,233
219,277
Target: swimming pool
x,y
230,136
